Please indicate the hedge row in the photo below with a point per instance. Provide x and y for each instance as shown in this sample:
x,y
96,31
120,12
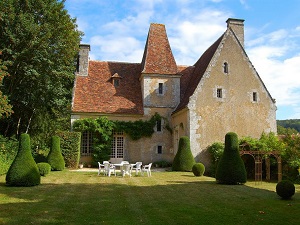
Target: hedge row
x,y
70,147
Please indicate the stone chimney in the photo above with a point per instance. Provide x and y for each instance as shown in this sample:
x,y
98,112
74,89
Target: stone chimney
x,y
83,60
237,25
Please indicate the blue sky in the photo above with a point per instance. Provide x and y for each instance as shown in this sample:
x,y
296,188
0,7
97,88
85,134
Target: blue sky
x,y
117,31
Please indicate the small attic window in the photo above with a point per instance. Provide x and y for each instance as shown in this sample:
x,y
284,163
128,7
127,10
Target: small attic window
x,y
254,96
116,78
225,67
116,82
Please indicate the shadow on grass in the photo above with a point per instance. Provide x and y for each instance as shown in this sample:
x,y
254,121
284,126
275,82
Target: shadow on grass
x,y
164,198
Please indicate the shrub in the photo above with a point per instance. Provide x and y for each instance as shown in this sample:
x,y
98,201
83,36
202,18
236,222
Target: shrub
x,y
70,147
162,164
285,189
184,159
198,169
216,151
55,158
231,168
23,171
44,168
8,152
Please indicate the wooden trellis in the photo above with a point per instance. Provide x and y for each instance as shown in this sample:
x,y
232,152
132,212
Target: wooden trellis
x,y
258,156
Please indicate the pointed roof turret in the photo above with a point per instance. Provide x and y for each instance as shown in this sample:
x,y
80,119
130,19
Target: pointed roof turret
x,y
158,57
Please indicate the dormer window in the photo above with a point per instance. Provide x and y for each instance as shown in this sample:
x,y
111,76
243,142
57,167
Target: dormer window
x,y
225,67
116,78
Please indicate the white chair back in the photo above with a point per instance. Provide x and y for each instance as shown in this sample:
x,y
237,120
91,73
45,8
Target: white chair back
x,y
126,169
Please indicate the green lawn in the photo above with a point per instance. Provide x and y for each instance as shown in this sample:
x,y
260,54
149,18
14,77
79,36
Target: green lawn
x,y
70,197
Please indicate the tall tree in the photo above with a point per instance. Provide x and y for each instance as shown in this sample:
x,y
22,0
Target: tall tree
x,y
5,108
39,43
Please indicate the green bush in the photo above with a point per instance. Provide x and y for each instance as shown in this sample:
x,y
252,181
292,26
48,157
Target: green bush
x,y
231,168
162,164
285,189
198,169
70,147
184,159
216,151
55,158
44,168
23,171
8,152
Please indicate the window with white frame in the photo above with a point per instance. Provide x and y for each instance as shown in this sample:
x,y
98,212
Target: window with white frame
x,y
254,96
86,143
117,146
219,93
225,67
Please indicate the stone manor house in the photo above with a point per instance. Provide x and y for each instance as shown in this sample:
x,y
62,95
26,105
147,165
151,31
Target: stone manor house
x,y
221,92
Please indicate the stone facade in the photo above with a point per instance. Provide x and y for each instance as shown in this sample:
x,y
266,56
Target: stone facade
x,y
221,92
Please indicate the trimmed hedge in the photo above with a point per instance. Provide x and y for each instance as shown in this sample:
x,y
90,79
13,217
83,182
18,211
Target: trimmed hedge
x,y
55,158
23,171
44,168
198,169
70,147
184,159
285,189
231,168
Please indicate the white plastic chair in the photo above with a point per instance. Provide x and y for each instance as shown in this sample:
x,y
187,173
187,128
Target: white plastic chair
x,y
124,162
126,169
109,169
147,168
101,168
137,167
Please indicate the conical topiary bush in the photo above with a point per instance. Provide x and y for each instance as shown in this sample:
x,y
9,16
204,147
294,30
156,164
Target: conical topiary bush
x,y
231,168
23,170
184,159
55,158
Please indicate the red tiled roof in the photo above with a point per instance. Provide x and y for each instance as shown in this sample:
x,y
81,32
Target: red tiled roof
x,y
158,57
96,92
190,79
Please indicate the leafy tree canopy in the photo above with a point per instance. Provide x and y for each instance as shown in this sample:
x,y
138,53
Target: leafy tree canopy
x,y
5,108
293,124
39,44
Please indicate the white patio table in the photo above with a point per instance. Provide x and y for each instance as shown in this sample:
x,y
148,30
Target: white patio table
x,y
120,165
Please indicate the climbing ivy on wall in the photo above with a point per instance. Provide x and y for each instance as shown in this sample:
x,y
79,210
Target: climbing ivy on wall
x,y
102,129
138,129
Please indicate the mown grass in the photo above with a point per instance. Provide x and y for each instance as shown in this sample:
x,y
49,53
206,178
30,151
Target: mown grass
x,y
70,197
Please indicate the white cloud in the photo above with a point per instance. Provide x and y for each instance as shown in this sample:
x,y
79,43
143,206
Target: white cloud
x,y
116,48
190,33
244,3
280,76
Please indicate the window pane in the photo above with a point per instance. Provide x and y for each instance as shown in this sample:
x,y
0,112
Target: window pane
x,y
117,148
254,97
86,143
159,149
225,67
160,88
219,92
158,125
